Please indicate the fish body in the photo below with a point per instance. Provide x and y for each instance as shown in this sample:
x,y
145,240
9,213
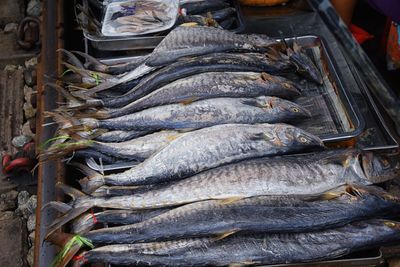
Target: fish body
x,y
136,149
201,40
263,214
212,85
210,147
112,217
206,113
254,249
310,173
219,62
119,136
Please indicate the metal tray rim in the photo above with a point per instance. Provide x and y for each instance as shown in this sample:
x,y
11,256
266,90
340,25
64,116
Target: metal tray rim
x,y
350,105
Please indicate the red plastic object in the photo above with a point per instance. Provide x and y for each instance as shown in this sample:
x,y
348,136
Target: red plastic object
x,y
20,163
5,161
360,34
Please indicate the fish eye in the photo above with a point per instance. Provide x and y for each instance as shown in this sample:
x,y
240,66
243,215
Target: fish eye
x,y
303,139
295,109
286,85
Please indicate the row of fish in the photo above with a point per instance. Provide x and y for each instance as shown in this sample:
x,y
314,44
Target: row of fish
x,y
216,169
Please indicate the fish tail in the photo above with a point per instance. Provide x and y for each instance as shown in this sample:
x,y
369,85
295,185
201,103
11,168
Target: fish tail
x,y
72,246
64,149
92,63
68,212
93,179
98,114
71,58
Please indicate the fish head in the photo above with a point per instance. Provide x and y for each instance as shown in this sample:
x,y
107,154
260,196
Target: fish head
x,y
290,109
305,66
380,168
297,139
291,90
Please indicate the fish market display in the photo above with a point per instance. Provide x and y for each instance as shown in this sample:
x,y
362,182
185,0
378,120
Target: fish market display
x,y
187,158
188,42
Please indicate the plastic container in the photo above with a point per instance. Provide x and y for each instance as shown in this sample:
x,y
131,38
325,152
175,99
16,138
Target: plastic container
x,y
139,17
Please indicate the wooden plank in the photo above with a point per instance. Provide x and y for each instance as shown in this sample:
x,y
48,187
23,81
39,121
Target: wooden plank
x,y
11,112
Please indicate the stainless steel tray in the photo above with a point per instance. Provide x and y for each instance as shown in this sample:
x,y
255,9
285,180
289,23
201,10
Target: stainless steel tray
x,y
335,116
100,42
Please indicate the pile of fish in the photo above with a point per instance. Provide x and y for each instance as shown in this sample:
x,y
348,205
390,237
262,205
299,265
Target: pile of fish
x,y
216,175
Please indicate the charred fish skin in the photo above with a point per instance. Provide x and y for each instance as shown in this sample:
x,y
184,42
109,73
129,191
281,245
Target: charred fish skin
x,y
220,62
264,214
209,112
200,40
208,148
212,85
260,249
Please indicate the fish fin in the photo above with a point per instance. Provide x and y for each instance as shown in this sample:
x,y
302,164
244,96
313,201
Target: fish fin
x,y
91,62
189,100
173,137
252,103
71,58
93,179
243,263
257,136
329,195
226,234
70,191
230,200
266,77
189,24
58,206
89,185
